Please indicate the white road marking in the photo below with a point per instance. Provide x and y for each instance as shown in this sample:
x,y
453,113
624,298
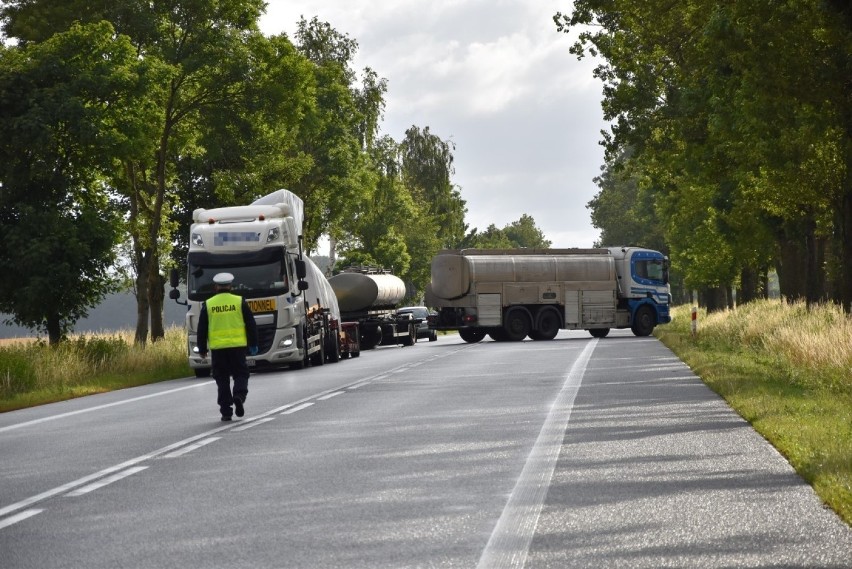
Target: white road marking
x,y
19,517
89,409
190,448
330,395
510,541
357,385
105,481
297,408
252,423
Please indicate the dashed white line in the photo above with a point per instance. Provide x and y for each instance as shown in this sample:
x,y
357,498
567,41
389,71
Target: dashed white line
x,y
330,395
357,385
190,448
105,481
252,423
297,408
19,517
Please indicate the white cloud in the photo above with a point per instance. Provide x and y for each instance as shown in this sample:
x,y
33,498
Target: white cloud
x,y
496,78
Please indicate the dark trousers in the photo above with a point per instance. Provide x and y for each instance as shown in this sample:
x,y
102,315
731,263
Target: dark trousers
x,y
228,363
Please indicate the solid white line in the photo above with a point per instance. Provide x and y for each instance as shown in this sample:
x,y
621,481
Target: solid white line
x,y
330,395
510,541
191,448
19,517
252,423
297,408
105,481
70,413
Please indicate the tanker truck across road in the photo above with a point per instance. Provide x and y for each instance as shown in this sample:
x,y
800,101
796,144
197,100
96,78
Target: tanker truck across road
x,y
510,294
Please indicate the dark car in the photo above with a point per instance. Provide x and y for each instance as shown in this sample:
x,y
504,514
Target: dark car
x,y
420,313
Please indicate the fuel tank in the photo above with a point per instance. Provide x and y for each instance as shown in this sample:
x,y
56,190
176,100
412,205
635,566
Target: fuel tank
x,y
356,291
319,290
453,272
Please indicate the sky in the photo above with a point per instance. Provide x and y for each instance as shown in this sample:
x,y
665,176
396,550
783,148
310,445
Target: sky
x,y
496,79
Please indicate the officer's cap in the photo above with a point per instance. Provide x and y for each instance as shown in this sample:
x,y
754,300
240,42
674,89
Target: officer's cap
x,y
223,279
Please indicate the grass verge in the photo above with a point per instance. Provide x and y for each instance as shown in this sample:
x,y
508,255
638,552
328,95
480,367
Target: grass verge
x,y
786,370
33,373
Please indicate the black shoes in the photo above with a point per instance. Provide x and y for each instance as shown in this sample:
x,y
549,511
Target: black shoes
x,y
238,407
226,417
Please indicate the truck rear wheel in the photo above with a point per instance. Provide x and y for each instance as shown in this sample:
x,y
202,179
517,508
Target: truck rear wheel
x,y
318,357
643,322
517,325
334,348
599,332
471,335
548,325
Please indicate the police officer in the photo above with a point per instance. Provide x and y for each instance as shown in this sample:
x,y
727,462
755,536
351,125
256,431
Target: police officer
x,y
227,325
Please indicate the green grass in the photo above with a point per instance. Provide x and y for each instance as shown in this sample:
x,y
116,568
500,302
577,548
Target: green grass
x,y
787,371
33,373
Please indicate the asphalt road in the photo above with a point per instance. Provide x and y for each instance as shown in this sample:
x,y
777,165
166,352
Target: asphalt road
x,y
570,453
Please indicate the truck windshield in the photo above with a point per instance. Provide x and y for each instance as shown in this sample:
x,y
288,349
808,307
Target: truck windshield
x,y
255,275
650,270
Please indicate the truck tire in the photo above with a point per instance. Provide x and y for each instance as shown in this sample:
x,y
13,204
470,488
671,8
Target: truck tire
x,y
298,365
471,335
547,326
318,358
202,372
644,321
599,332
517,325
334,348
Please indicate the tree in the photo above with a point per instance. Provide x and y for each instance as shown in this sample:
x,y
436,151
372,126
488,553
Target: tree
x,y
738,115
67,108
427,169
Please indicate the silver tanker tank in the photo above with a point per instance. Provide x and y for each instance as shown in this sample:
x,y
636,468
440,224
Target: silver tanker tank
x,y
454,272
319,291
357,292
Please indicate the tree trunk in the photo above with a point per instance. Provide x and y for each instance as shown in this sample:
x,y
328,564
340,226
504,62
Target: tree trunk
x,y
791,268
714,299
749,286
54,330
156,294
142,304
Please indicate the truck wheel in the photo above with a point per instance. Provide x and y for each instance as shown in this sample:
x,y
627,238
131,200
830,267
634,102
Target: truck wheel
x,y
334,349
599,332
517,325
298,365
318,358
202,372
471,335
643,322
548,325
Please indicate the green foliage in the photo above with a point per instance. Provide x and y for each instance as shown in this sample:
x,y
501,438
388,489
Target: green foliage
x,y
516,235
735,116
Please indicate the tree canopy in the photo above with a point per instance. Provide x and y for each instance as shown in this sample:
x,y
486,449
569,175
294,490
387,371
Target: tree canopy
x,y
732,132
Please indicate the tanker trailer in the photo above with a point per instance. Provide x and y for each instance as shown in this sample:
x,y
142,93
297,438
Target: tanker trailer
x,y
510,294
369,296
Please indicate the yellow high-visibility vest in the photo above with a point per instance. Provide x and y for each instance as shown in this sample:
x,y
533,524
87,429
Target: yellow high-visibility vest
x,y
225,325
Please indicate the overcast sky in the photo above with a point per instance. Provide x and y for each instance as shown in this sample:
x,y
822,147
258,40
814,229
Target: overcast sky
x,y
495,78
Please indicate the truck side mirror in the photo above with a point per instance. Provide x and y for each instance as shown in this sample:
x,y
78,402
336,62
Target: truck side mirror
x,y
174,279
301,269
174,294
